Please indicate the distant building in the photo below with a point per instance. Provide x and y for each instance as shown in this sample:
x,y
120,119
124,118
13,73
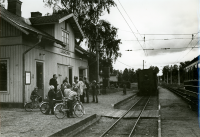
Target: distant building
x,y
48,44
113,78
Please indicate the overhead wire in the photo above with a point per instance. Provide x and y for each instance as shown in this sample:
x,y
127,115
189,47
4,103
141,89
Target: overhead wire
x,y
156,34
127,65
164,48
169,34
135,27
124,64
161,39
145,52
130,29
188,46
190,50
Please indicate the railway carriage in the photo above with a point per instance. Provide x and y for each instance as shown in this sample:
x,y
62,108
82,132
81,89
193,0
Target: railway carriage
x,y
191,78
147,82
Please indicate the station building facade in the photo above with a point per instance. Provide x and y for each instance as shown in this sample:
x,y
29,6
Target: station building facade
x,y
33,49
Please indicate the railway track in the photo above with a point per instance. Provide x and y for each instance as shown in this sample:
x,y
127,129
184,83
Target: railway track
x,y
191,97
139,119
108,132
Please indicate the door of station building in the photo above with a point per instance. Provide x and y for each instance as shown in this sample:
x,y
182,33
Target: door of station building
x,y
82,73
40,78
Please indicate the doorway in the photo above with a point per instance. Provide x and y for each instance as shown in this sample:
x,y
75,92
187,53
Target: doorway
x,y
40,78
82,73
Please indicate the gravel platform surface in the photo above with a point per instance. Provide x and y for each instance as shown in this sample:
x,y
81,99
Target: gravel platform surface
x,y
177,119
19,123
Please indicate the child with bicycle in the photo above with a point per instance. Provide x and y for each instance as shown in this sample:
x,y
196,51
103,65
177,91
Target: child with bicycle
x,y
71,96
34,95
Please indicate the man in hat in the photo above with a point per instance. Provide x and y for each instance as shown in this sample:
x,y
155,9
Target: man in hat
x,y
87,87
53,82
81,88
94,91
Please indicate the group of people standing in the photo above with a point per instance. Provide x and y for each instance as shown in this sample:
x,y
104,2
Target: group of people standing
x,y
80,87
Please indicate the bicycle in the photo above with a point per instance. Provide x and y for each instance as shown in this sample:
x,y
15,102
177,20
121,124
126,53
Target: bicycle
x,y
37,103
61,109
44,106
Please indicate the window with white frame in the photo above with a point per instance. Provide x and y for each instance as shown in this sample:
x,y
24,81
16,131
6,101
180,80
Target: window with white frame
x,y
65,39
4,74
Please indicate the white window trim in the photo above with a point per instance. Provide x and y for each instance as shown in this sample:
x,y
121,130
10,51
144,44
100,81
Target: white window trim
x,y
63,30
8,72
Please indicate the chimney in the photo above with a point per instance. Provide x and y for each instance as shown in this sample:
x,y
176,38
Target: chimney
x,y
14,6
36,14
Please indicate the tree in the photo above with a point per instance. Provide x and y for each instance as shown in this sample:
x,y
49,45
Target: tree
x,y
125,75
155,69
174,69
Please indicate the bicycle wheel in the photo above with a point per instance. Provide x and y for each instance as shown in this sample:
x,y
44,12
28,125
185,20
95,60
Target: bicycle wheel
x,y
28,107
78,110
44,106
58,111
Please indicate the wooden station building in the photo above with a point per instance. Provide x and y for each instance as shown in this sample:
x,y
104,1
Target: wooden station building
x,y
33,49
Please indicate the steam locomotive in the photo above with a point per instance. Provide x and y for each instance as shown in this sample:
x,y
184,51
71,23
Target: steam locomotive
x,y
147,82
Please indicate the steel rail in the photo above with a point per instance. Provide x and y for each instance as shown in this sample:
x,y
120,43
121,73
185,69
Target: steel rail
x,y
139,118
120,118
180,94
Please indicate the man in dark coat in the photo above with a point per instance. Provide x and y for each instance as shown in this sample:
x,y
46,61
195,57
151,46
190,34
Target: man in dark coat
x,y
87,88
54,82
94,91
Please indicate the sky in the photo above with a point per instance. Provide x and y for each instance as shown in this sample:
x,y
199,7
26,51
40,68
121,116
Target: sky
x,y
136,19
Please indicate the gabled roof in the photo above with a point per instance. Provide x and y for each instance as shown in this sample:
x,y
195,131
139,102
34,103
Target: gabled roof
x,y
58,18
17,21
23,24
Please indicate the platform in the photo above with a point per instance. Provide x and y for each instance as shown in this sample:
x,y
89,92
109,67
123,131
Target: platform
x,y
19,123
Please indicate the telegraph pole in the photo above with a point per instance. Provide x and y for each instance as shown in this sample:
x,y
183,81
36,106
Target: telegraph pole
x,y
143,64
97,55
171,74
97,50
178,76
97,58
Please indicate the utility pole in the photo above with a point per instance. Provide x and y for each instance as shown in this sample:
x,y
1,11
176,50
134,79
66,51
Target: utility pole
x,y
143,64
178,76
97,55
171,74
97,50
97,58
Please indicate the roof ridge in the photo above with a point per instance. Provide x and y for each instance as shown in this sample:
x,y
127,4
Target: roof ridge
x,y
49,16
